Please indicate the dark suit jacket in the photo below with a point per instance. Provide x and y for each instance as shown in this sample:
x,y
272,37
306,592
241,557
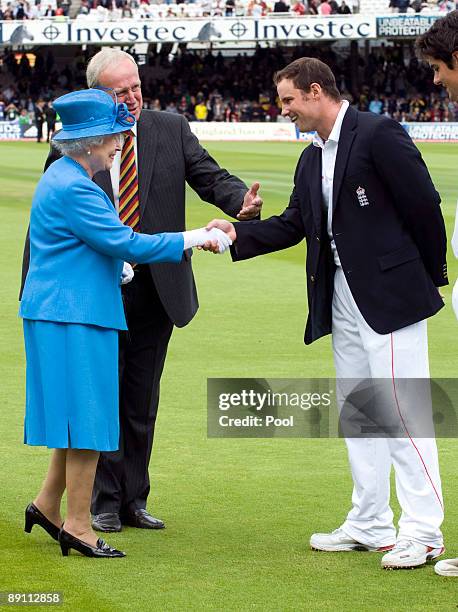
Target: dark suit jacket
x,y
168,156
392,250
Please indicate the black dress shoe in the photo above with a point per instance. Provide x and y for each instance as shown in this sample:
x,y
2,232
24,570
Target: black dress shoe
x,y
107,522
143,520
34,516
67,542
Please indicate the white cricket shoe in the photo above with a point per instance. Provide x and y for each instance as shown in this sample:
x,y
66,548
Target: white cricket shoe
x,y
447,567
408,554
339,541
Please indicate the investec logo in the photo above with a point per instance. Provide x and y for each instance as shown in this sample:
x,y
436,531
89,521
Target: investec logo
x,y
116,33
326,29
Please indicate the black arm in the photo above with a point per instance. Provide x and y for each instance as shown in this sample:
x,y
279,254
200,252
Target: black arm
x,y
399,163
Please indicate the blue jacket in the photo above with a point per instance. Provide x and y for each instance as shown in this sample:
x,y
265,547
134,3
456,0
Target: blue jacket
x,y
77,249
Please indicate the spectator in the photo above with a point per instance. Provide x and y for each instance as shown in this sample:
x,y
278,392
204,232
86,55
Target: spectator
x,y
298,8
171,108
344,9
218,109
84,8
281,7
20,13
36,11
376,106
201,111
65,5
39,119
325,8
155,105
51,117
25,122
230,8
11,112
257,112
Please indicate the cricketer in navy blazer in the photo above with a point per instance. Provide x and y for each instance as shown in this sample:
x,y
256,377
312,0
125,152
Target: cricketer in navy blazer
x,y
78,246
392,244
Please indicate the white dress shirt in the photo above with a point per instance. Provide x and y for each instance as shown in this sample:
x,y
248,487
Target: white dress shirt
x,y
115,169
328,157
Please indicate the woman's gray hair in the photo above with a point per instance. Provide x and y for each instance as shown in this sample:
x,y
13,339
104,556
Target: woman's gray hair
x,y
101,61
78,146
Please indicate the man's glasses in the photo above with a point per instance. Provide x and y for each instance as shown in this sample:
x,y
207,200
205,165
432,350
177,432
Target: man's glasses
x,y
121,94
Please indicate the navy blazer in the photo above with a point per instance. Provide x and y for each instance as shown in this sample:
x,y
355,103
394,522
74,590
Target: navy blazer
x,y
77,249
391,242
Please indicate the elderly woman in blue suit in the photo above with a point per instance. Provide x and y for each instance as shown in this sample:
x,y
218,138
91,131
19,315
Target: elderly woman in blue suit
x,y
72,311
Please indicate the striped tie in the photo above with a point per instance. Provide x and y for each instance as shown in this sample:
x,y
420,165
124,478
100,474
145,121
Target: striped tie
x,y
129,211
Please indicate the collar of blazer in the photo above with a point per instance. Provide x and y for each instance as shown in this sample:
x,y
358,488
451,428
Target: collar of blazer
x,y
347,136
146,155
314,167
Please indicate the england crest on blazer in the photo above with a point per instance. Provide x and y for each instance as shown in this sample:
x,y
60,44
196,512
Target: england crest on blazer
x,y
362,197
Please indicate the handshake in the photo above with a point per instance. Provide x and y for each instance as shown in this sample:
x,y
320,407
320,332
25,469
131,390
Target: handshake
x,y
217,237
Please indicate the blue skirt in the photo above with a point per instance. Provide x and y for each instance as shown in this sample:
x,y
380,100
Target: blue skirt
x,y
72,393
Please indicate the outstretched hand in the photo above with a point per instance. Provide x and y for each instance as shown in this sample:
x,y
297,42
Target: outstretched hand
x,y
226,226
213,239
252,204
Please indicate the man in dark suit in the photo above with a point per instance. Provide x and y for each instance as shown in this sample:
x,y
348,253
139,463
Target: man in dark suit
x,y
376,246
166,155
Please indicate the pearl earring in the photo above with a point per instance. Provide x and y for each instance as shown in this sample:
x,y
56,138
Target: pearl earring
x,y
88,152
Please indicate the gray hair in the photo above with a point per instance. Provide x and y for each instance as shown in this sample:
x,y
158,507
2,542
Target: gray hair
x,y
77,146
101,61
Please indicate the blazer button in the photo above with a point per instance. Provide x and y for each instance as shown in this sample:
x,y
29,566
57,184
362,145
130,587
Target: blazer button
x,y
312,278
317,238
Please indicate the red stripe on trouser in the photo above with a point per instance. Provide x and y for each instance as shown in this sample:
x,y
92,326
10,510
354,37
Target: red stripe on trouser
x,y
405,427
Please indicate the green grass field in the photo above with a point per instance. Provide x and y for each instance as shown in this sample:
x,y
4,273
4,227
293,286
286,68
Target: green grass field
x,y
239,513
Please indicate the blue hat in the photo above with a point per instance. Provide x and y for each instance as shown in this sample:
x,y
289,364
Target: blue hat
x,y
91,112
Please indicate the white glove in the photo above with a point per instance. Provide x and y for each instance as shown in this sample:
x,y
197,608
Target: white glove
x,y
199,237
127,273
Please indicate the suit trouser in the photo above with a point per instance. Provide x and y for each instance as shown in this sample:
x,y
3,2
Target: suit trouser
x,y
122,481
360,353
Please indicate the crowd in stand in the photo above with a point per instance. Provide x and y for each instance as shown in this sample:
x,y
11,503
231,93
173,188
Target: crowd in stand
x,y
421,6
144,9
101,10
210,87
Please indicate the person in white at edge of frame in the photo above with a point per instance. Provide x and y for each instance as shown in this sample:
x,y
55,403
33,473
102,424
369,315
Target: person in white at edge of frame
x,y
376,251
439,47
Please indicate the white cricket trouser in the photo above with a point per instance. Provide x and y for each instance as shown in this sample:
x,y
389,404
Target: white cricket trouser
x,y
361,353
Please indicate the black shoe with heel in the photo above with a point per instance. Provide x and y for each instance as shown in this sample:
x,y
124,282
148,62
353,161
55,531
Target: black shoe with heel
x,y
34,516
67,542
